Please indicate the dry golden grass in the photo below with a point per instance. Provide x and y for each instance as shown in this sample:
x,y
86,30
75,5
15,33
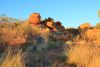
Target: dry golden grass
x,y
35,30
12,36
83,54
12,59
95,62
93,34
83,51
19,34
40,31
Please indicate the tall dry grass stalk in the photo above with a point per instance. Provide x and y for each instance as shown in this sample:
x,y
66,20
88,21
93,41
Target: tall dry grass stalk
x,y
36,30
40,31
84,54
12,36
19,34
11,59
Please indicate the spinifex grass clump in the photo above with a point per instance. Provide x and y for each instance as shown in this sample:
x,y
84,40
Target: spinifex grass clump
x,y
83,53
12,59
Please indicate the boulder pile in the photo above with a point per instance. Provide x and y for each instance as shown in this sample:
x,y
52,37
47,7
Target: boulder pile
x,y
59,26
35,20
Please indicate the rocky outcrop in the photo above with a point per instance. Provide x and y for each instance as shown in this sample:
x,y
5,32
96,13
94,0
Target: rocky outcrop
x,y
35,19
50,24
85,25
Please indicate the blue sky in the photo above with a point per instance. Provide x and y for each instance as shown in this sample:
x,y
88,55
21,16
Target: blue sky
x,y
71,13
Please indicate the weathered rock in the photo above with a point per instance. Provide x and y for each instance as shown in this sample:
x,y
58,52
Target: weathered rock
x,y
85,25
54,29
50,24
35,19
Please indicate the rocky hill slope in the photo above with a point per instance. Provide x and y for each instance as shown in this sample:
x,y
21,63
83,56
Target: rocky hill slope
x,y
47,43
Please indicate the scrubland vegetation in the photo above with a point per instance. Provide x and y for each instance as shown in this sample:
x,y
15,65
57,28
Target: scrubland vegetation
x,y
48,44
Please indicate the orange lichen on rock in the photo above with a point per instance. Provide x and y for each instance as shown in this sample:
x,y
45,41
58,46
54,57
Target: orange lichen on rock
x,y
35,19
85,25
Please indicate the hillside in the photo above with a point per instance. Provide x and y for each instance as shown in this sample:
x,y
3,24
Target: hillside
x,y
47,43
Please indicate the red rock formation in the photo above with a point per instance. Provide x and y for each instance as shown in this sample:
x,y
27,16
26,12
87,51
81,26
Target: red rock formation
x,y
35,19
50,24
54,29
85,25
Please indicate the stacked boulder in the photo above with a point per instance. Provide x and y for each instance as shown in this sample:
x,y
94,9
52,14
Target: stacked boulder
x,y
35,19
85,26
